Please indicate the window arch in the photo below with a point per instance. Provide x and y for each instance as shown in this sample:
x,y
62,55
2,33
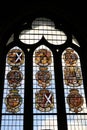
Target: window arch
x,y
46,79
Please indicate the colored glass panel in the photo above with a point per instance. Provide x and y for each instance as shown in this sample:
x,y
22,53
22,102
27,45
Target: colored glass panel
x,y
72,76
15,57
14,77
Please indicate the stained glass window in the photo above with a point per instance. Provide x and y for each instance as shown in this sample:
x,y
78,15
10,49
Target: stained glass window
x,y
74,90
44,94
13,95
35,74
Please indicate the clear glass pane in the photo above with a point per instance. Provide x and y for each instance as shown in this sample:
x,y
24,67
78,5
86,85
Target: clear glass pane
x,y
12,122
77,122
43,27
45,122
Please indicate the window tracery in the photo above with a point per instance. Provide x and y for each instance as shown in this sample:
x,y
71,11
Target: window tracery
x,y
45,108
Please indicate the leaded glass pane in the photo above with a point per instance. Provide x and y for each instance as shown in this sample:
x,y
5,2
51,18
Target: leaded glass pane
x,y
13,95
77,122
45,122
43,27
12,122
44,94
74,90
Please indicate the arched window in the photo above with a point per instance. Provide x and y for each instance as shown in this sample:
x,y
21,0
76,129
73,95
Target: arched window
x,y
74,90
43,81
13,95
44,94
